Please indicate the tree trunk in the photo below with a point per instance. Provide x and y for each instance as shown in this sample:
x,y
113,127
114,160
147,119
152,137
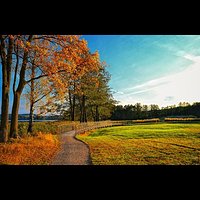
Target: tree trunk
x,y
84,115
93,114
4,114
14,118
6,72
15,109
81,102
30,125
73,108
81,112
16,102
97,113
70,103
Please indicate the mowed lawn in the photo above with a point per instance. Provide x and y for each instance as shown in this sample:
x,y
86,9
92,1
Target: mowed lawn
x,y
145,144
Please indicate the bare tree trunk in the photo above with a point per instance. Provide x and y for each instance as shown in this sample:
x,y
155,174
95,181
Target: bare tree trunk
x,y
6,72
30,126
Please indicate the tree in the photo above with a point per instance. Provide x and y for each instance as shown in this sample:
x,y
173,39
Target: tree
x,y
55,56
154,110
100,99
20,87
144,111
37,91
138,109
78,86
6,50
88,97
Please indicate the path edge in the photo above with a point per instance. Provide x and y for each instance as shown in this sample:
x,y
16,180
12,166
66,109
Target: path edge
x,y
89,157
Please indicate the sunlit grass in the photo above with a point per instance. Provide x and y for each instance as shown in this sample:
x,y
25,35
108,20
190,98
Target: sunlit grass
x,y
146,120
182,119
148,144
37,150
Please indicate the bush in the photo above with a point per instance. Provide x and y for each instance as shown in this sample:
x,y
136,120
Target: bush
x,y
45,127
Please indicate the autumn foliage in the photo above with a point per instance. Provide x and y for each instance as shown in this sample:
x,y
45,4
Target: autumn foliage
x,y
52,59
29,150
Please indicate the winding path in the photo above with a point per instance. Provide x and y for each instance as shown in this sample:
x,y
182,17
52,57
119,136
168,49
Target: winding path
x,y
73,151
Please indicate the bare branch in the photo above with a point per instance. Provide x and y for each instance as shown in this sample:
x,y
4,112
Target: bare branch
x,y
16,68
44,75
42,97
36,78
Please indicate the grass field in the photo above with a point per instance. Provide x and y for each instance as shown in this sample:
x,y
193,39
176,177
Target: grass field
x,y
145,144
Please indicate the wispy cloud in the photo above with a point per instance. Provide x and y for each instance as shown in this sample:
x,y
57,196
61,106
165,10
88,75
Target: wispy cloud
x,y
171,89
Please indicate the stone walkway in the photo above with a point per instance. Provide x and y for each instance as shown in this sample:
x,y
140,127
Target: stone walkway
x,y
73,151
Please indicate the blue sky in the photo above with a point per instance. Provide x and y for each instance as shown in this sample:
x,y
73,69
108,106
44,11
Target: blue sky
x,y
150,69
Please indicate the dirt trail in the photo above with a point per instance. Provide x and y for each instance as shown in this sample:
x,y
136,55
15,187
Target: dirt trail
x,y
73,151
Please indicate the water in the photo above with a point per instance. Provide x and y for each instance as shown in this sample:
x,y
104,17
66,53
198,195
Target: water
x,y
36,120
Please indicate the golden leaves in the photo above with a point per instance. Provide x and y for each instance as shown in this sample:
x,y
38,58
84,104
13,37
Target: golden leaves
x,y
28,44
28,150
11,36
61,58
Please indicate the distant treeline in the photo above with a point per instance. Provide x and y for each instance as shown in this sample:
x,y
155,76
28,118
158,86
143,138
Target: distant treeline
x,y
139,111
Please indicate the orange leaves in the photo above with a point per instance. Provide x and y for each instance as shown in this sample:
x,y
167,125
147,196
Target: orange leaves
x,y
20,43
28,44
30,150
11,36
60,58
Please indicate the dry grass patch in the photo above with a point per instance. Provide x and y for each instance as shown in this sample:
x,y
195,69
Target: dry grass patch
x,y
37,150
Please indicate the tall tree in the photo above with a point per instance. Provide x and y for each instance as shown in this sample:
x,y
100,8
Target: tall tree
x,y
100,99
56,55
89,97
37,95
18,92
6,50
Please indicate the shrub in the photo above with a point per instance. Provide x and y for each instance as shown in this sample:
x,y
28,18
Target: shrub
x,y
45,127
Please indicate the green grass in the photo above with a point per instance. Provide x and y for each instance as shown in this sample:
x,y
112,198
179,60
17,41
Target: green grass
x,y
145,144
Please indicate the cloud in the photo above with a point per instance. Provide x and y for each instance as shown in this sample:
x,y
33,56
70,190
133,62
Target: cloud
x,y
120,92
147,86
168,98
117,92
167,90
